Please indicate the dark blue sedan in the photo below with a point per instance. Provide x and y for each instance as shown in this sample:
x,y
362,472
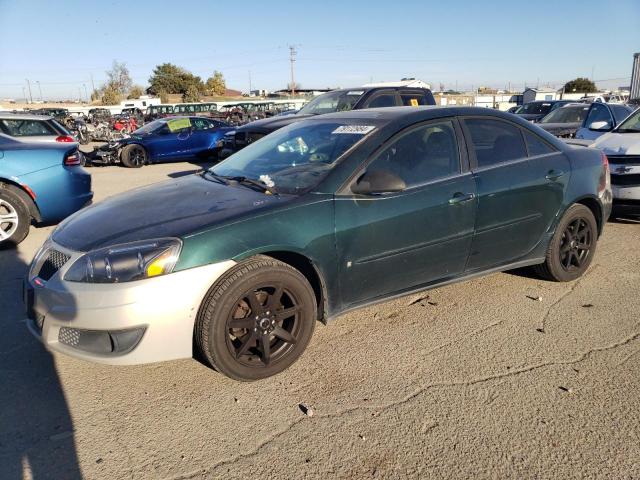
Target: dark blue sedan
x,y
170,139
41,182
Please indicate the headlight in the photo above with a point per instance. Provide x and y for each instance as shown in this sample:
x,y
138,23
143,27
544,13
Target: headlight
x,y
127,262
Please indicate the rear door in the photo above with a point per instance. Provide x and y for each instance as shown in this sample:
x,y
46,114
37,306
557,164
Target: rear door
x,y
516,202
398,241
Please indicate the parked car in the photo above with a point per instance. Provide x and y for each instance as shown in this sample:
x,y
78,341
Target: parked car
x,y
622,147
563,122
34,128
158,111
534,111
602,118
99,115
164,140
39,182
326,215
57,113
335,101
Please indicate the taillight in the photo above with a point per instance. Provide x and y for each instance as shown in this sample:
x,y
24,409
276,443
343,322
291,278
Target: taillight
x,y
72,159
65,139
605,178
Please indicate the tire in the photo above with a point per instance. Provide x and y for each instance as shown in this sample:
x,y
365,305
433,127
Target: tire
x,y
133,156
15,218
256,320
569,255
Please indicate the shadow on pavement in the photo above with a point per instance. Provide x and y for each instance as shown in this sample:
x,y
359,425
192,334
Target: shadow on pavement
x,y
36,429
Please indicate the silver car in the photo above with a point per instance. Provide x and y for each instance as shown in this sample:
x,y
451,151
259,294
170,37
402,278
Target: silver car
x,y
34,128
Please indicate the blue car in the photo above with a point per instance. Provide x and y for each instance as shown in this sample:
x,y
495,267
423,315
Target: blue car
x,y
39,182
166,140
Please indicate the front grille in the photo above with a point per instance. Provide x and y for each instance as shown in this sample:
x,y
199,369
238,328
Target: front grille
x,y
624,159
54,262
625,180
69,336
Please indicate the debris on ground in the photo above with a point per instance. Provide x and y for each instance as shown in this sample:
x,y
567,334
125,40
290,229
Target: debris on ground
x,y
307,409
565,389
537,299
418,299
362,437
587,305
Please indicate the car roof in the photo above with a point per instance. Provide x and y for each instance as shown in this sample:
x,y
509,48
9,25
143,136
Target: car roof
x,y
24,116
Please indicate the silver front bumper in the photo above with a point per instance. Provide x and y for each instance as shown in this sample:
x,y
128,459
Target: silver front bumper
x,y
164,307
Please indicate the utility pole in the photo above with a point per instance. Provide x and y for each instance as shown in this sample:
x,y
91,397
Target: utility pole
x,y
86,95
39,89
292,59
80,94
29,86
24,93
93,87
250,82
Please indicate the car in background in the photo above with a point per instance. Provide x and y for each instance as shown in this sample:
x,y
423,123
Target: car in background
x,y
158,111
39,182
622,147
330,102
57,113
165,140
99,115
335,212
563,122
602,118
25,127
535,111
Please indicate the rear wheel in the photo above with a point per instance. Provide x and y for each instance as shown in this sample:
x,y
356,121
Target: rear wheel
x,y
572,247
14,217
256,320
133,156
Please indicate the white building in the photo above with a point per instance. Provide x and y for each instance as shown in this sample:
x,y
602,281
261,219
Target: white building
x,y
532,94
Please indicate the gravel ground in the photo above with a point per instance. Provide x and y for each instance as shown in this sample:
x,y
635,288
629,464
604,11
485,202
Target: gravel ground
x,y
474,380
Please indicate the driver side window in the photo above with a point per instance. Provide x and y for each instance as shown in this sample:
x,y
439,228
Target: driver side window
x,y
598,113
421,154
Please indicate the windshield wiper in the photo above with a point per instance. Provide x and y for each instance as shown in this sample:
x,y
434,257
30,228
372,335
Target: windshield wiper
x,y
227,179
627,130
209,175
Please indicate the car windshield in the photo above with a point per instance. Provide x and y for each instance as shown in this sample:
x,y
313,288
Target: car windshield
x,y
572,114
150,127
296,158
631,124
338,101
535,108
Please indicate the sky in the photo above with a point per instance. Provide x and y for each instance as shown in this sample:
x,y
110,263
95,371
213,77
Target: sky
x,y
67,45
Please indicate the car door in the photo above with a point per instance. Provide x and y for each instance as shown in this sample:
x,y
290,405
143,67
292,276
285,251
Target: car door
x,y
512,206
202,136
396,242
171,141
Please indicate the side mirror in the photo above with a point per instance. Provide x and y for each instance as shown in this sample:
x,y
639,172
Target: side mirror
x,y
600,126
376,182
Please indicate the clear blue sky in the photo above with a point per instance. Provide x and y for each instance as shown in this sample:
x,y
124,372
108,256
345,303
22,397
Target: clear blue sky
x,y
346,43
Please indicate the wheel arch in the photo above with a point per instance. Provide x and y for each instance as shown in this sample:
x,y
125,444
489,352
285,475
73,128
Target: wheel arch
x,y
593,204
30,203
306,267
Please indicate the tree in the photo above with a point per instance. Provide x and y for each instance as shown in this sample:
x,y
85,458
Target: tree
x,y
118,78
192,94
216,84
580,85
136,92
170,78
110,96
95,95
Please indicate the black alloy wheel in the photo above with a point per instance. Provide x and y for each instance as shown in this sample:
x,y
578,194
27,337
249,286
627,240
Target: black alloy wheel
x,y
575,246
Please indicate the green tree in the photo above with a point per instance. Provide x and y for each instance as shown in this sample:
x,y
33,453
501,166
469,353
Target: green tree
x,y
216,84
110,96
170,78
192,94
136,92
580,85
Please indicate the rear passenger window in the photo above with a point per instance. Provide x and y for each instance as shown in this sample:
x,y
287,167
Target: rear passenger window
x,y
26,128
413,99
494,141
384,100
536,145
422,154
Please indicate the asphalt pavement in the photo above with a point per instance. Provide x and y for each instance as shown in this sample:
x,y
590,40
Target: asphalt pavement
x,y
506,376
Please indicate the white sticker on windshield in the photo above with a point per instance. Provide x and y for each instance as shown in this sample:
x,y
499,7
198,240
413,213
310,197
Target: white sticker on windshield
x,y
354,129
355,92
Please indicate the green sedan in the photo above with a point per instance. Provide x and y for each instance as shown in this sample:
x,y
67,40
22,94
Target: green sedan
x,y
327,215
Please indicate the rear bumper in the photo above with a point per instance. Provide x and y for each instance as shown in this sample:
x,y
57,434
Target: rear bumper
x,y
138,322
626,207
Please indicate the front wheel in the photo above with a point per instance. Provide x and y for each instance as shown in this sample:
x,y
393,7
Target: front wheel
x,y
256,320
133,156
572,247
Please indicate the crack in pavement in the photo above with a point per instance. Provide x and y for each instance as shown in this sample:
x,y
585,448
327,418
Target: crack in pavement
x,y
542,328
381,408
465,336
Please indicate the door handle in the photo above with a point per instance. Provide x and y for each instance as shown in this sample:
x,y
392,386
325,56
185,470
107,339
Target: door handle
x,y
460,197
553,175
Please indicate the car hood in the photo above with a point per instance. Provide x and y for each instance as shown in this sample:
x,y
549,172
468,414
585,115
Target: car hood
x,y
619,143
557,127
269,125
175,208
